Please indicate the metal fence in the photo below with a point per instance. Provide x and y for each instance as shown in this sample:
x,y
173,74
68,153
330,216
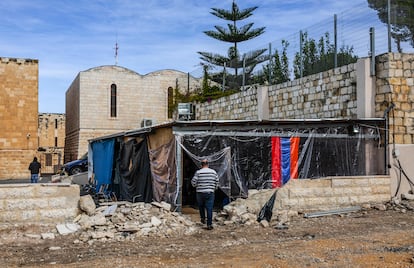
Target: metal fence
x,y
358,30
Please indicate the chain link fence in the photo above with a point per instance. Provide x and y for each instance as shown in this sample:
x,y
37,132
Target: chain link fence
x,y
361,31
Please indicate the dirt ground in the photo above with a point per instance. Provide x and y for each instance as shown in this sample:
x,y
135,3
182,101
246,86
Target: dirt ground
x,y
368,238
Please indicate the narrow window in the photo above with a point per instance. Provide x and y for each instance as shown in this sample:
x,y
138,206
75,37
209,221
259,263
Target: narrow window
x,y
56,141
56,123
170,102
113,100
48,160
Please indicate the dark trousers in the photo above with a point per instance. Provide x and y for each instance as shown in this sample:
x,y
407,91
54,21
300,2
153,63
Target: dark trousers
x,y
205,203
34,178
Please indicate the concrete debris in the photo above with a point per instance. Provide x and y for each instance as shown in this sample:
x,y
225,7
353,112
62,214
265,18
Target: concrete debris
x,y
264,223
381,207
109,211
128,221
33,236
403,205
407,196
87,204
47,236
245,211
67,228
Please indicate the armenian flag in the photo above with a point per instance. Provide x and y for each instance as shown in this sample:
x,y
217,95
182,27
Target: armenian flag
x,y
284,160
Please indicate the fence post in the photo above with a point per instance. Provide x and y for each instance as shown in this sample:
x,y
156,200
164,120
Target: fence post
x,y
244,71
188,83
270,63
335,42
224,76
389,24
372,50
300,53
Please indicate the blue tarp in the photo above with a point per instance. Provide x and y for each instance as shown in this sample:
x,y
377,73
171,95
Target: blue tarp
x,y
103,152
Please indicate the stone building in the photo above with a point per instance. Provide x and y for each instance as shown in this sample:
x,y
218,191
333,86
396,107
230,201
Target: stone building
x,y
51,141
18,116
109,99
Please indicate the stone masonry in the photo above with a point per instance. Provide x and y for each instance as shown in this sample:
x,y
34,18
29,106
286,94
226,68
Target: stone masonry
x,y
18,116
38,203
395,84
330,94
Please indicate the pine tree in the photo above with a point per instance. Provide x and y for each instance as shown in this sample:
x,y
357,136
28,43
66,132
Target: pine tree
x,y
402,23
234,34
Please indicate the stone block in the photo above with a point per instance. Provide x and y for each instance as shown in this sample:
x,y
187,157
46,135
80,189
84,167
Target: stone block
x,y
349,182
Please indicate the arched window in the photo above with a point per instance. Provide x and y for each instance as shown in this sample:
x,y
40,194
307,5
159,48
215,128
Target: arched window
x,y
113,100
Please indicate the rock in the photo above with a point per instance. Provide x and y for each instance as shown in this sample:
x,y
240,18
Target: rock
x,y
47,236
87,204
381,207
55,248
366,206
109,211
407,196
67,228
34,236
101,234
155,221
264,223
163,205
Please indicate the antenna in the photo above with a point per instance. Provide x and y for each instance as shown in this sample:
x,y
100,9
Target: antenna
x,y
116,52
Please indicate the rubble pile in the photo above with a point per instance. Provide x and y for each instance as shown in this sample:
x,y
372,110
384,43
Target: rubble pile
x,y
235,214
126,221
246,211
403,204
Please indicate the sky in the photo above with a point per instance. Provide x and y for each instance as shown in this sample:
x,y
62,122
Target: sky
x,y
70,36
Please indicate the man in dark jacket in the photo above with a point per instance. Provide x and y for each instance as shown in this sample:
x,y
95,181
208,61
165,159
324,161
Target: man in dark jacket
x,y
34,168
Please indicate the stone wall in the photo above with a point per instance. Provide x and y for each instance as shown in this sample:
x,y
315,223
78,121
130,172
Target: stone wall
x,y
38,203
304,195
330,94
395,84
18,116
241,105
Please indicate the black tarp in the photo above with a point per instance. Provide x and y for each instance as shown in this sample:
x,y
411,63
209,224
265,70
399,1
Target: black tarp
x,y
134,171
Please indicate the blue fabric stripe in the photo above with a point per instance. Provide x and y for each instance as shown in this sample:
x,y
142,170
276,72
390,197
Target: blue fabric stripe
x,y
103,152
285,161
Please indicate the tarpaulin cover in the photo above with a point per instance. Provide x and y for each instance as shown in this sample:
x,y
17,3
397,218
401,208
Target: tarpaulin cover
x,y
219,160
103,162
164,172
134,171
266,212
260,159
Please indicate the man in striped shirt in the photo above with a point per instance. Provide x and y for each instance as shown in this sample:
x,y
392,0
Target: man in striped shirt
x,y
205,181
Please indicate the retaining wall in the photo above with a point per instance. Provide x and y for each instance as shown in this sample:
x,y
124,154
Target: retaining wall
x,y
304,195
38,203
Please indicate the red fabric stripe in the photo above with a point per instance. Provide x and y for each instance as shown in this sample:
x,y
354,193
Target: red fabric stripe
x,y
276,165
294,152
